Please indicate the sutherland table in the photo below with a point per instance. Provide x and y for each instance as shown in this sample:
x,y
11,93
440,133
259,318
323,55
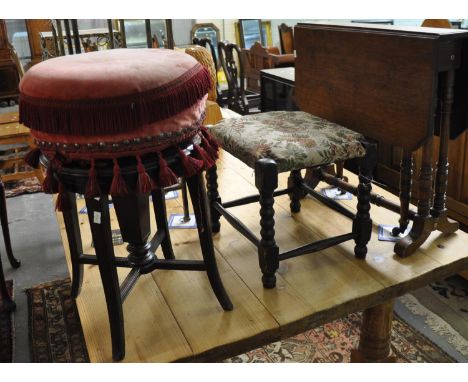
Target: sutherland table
x,y
399,86
174,316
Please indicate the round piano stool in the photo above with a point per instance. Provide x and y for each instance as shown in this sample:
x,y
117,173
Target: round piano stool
x,y
124,145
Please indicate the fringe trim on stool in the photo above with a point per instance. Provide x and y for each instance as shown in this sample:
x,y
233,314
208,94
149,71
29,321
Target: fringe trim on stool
x,y
117,114
201,154
92,187
118,186
167,177
210,138
202,158
191,165
144,183
50,184
62,203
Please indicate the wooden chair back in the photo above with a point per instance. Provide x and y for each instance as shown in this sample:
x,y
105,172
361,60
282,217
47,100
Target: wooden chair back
x,y
286,36
436,23
208,44
232,62
257,58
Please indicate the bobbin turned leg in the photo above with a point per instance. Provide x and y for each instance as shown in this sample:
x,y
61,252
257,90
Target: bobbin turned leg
x,y
200,208
295,181
6,232
160,213
7,303
362,224
213,196
266,180
72,227
376,330
99,220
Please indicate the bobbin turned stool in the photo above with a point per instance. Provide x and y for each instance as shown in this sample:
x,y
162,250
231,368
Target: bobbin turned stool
x,y
284,141
125,123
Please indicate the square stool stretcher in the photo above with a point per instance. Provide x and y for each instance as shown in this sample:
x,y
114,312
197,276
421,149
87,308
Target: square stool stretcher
x,y
282,141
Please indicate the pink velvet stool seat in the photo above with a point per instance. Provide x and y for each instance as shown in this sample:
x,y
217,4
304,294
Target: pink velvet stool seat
x,y
125,123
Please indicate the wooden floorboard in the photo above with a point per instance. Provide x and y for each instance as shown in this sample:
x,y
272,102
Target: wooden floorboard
x,y
174,316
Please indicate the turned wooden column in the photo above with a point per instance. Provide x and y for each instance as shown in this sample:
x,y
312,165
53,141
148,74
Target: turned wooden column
x,y
439,209
406,173
376,328
423,223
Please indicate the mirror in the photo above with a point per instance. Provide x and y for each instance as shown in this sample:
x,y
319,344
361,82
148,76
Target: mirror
x,y
250,31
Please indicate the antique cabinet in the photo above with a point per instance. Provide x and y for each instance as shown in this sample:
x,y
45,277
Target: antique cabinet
x,y
9,76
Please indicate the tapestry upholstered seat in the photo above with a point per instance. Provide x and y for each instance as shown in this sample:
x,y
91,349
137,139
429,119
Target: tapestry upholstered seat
x,y
281,141
295,140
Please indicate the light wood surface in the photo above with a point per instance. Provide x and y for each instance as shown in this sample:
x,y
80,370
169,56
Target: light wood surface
x,y
173,315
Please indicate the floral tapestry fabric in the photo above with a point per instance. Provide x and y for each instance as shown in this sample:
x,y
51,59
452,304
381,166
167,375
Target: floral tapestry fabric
x,y
294,139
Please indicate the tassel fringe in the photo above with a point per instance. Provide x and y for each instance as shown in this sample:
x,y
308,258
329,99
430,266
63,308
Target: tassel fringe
x,y
144,183
118,185
92,187
62,204
212,152
201,154
210,138
190,165
167,177
50,184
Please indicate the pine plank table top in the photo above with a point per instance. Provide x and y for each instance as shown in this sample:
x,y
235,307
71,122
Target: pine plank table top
x,y
174,316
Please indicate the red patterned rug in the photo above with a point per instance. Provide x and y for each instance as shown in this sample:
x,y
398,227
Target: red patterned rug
x,y
56,335
55,331
6,331
333,342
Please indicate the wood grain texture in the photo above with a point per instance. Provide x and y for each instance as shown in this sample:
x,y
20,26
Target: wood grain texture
x,y
380,85
174,316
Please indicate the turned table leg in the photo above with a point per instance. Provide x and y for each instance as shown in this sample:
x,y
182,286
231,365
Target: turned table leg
x,y
406,173
423,223
439,210
376,328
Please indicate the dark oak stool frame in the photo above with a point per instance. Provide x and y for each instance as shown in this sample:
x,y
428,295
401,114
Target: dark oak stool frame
x,y
134,220
266,180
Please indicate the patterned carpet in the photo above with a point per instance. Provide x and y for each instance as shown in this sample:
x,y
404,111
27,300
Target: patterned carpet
x,y
23,186
333,342
6,331
56,336
54,324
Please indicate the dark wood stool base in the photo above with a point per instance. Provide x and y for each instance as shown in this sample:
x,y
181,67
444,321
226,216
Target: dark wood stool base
x,y
266,181
134,220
